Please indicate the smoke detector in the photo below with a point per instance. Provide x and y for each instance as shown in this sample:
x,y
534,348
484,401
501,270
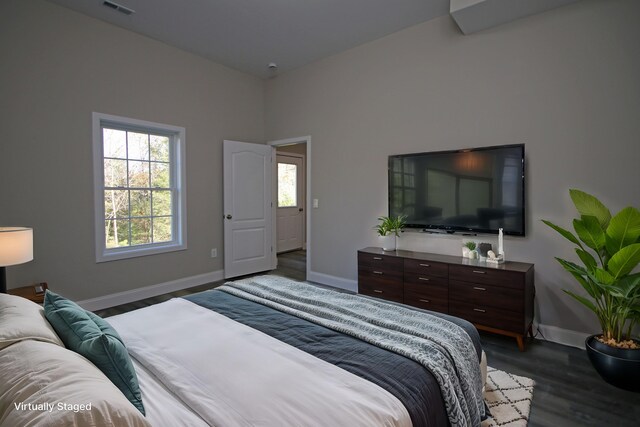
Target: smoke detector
x,y
272,66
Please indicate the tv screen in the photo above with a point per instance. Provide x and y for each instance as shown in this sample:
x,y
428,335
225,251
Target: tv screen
x,y
477,190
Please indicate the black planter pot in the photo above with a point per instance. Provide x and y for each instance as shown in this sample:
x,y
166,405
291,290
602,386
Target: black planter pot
x,y
617,366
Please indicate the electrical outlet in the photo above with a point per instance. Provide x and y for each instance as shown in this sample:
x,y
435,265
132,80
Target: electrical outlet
x,y
214,252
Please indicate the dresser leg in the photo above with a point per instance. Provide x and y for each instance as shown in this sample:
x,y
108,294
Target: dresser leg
x,y
520,340
530,330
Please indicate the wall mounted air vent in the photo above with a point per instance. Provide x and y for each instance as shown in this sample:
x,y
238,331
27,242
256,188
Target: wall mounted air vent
x,y
118,7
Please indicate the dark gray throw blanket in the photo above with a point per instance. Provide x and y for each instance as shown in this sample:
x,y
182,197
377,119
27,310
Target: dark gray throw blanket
x,y
442,347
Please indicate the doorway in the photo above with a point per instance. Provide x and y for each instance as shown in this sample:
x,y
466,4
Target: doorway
x,y
290,204
291,199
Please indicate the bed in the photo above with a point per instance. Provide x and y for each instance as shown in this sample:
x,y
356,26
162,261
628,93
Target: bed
x,y
271,351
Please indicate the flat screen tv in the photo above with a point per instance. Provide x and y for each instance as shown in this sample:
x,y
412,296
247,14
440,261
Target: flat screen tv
x,y
475,190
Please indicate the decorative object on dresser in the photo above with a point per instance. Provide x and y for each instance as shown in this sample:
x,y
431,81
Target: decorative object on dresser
x,y
467,250
498,258
496,298
483,250
612,287
16,247
389,230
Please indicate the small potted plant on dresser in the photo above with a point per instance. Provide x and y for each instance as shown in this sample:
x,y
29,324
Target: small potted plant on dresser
x,y
612,287
389,230
469,250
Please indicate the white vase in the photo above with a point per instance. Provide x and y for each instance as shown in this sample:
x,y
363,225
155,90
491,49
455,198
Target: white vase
x,y
465,252
388,242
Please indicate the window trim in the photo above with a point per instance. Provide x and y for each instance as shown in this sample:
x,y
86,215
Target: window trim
x,y
179,208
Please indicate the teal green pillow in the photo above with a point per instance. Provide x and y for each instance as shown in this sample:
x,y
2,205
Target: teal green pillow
x,y
92,337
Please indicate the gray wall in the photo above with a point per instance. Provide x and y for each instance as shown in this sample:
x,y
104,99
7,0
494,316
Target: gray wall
x,y
56,67
565,82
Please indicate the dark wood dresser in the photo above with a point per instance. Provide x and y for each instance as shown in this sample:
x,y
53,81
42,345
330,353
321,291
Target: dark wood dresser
x,y
494,297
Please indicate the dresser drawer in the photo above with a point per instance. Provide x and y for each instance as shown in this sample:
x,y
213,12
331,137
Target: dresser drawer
x,y
392,291
487,295
424,279
488,316
484,275
427,268
380,273
428,297
377,262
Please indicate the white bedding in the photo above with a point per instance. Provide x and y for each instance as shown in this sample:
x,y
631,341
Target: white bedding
x,y
162,407
232,375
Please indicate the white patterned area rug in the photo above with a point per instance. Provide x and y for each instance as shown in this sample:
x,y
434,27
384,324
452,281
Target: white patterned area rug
x,y
509,399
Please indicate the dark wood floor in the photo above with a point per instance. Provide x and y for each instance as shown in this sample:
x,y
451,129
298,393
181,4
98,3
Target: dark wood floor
x,y
568,391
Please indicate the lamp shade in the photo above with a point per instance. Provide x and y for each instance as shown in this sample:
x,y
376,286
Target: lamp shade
x,y
16,245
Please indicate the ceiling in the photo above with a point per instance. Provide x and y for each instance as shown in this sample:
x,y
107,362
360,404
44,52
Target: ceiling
x,y
249,34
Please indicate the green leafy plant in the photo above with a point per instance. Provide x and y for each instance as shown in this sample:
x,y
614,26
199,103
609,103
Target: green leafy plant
x,y
390,225
470,245
609,248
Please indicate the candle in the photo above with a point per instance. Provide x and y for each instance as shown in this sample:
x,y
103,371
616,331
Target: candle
x,y
500,247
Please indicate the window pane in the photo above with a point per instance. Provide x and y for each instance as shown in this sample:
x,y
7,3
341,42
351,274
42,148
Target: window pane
x,y
409,181
114,143
162,229
116,233
115,173
138,174
160,148
161,203
140,231
140,203
160,175
287,194
116,204
138,146
409,197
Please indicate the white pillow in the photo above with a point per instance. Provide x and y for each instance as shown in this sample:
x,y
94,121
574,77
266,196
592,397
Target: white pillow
x,y
39,373
21,319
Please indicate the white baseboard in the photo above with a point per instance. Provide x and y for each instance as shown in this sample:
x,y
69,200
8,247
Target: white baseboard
x,y
336,282
150,291
562,336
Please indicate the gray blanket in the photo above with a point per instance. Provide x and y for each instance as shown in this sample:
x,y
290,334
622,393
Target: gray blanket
x,y
442,347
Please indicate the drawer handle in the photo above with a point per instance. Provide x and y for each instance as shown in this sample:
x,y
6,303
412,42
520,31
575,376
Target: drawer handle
x,y
479,272
377,258
423,278
425,265
377,272
424,300
479,289
479,310
378,291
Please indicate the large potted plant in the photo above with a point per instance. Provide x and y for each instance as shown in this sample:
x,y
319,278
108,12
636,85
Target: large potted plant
x,y
609,250
389,230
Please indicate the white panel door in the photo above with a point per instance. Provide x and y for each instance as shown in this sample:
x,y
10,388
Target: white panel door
x,y
247,208
290,210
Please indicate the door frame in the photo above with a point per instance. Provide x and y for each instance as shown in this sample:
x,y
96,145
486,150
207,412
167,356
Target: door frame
x,y
303,160
307,167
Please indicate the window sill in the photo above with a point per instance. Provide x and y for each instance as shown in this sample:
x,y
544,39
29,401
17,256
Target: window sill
x,y
138,251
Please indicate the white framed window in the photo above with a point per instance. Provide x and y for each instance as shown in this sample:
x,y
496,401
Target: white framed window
x,y
139,187
287,185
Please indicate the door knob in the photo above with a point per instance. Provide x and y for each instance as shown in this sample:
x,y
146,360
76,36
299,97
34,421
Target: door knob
x,y
300,209
229,216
